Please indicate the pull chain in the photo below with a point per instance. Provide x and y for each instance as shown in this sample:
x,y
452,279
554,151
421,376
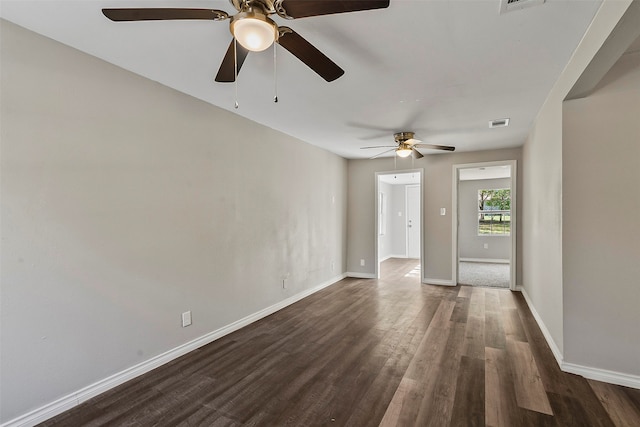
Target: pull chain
x,y
235,68
275,74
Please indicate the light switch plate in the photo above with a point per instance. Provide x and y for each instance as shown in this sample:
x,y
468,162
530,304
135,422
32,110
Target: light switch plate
x,y
186,319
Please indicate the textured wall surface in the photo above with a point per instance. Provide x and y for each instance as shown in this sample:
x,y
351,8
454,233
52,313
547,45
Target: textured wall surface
x,y
123,206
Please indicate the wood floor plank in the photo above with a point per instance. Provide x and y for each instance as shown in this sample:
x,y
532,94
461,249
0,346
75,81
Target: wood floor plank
x,y
622,410
465,291
406,388
365,352
469,403
530,392
568,410
436,408
501,407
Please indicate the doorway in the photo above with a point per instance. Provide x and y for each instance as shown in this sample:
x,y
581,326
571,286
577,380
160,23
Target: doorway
x,y
398,216
484,238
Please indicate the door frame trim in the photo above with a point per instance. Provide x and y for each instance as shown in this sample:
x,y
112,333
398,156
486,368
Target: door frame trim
x,y
455,255
420,171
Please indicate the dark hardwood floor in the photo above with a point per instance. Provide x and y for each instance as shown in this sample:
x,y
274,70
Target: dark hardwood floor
x,y
364,352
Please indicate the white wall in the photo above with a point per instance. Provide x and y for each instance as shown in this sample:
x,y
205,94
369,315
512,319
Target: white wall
x,y
542,191
122,207
601,226
470,244
437,193
385,241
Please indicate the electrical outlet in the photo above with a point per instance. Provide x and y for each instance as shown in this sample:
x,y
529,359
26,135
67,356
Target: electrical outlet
x,y
362,262
443,211
486,246
333,266
186,319
284,283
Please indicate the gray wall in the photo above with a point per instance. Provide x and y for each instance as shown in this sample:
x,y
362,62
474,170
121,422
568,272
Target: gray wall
x,y
470,245
601,226
122,207
437,193
542,192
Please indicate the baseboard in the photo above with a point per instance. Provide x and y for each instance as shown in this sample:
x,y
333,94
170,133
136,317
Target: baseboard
x,y
603,375
360,275
597,374
439,282
487,260
547,335
73,399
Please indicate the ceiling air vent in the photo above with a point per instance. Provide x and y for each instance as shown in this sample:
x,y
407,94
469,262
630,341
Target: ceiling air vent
x,y
499,123
511,5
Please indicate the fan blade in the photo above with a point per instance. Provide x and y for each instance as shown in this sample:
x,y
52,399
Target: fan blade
x,y
305,8
379,146
412,141
416,154
380,154
158,14
436,147
307,53
226,73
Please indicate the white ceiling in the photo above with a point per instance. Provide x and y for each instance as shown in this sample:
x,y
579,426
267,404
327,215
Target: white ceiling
x,y
441,68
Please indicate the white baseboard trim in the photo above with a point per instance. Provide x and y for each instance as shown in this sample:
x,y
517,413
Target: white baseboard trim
x,y
73,399
547,335
360,275
488,260
439,282
603,375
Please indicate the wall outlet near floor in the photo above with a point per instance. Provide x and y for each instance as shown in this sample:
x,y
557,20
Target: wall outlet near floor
x,y
186,319
333,266
362,262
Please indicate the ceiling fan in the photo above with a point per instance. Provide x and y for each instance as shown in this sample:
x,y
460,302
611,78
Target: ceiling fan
x,y
255,31
406,146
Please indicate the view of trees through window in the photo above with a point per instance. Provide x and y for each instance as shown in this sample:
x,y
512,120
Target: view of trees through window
x,y
494,212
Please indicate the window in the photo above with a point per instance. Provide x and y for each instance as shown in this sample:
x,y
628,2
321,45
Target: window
x,y
494,212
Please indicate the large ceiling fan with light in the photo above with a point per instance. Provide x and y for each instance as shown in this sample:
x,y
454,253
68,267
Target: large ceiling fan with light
x,y
406,145
255,31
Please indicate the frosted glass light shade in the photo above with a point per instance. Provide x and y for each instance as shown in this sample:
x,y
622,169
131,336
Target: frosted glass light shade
x,y
254,33
403,152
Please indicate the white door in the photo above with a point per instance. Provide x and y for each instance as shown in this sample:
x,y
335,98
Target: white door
x,y
413,221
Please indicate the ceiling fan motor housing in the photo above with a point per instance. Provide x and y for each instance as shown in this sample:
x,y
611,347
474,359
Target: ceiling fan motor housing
x,y
401,137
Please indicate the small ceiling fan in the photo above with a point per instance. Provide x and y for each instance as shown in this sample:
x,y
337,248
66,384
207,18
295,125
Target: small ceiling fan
x,y
255,31
406,146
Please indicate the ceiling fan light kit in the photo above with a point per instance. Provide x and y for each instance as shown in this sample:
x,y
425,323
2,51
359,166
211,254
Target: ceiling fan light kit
x,y
254,31
404,150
